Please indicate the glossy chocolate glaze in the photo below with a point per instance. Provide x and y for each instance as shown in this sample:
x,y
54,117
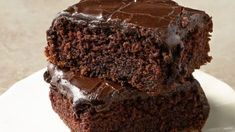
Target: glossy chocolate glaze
x,y
88,92
148,13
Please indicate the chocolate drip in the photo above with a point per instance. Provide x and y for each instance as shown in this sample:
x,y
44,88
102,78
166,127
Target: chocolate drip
x,y
88,92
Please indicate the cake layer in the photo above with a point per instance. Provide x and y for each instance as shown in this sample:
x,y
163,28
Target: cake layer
x,y
144,43
92,104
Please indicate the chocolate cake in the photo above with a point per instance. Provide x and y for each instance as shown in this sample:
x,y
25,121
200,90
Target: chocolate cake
x,y
97,105
126,66
147,44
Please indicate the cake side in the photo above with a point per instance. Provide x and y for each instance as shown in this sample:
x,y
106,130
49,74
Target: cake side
x,y
144,55
185,110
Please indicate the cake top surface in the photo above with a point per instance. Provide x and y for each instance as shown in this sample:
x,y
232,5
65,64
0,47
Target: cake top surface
x,y
147,13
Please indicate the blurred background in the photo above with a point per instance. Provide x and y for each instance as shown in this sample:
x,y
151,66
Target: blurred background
x,y
23,24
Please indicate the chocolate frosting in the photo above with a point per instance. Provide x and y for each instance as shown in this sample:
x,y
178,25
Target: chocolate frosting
x,y
88,92
147,13
165,15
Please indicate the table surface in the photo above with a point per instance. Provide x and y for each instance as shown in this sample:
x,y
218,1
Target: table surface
x,y
24,22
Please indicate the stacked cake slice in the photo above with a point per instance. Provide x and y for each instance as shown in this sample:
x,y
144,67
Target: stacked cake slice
x,y
126,65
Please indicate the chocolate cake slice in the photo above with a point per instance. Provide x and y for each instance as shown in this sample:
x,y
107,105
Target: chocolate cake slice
x,y
97,105
148,44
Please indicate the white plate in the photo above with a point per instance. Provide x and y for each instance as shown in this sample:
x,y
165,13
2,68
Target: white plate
x,y
25,107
